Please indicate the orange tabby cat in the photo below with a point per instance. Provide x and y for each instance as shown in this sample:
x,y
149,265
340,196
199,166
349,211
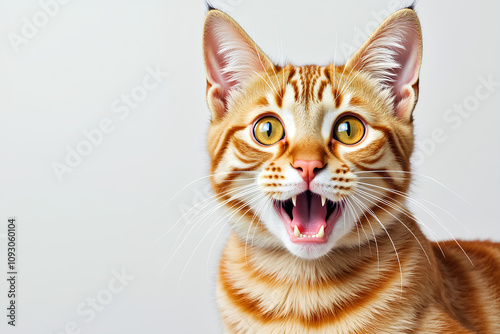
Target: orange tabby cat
x,y
314,164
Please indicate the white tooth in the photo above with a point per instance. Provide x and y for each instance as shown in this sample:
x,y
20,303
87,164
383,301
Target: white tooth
x,y
294,200
296,231
301,235
321,232
323,200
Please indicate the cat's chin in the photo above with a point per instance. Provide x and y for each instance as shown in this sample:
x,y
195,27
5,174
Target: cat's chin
x,y
309,251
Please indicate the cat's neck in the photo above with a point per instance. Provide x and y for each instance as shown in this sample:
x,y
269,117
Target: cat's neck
x,y
386,254
275,284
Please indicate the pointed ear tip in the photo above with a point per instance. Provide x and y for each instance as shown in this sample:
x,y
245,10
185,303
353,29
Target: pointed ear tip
x,y
216,17
408,13
214,13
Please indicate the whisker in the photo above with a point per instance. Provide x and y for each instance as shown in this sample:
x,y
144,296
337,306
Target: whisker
x,y
414,173
204,177
366,197
186,235
260,60
355,220
427,210
256,214
282,60
258,197
370,211
241,191
343,70
266,207
356,201
402,208
207,233
343,89
211,198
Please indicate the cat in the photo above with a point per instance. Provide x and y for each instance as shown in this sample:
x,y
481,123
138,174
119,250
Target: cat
x,y
313,162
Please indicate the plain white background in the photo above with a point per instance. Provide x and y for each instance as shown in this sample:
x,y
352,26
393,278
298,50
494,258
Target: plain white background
x,y
113,210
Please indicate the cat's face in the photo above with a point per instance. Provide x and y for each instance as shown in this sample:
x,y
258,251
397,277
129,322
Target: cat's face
x,y
309,157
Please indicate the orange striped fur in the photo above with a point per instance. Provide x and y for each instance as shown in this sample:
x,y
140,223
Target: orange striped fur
x,y
375,272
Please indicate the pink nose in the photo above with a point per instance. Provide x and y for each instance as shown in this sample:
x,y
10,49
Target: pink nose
x,y
308,168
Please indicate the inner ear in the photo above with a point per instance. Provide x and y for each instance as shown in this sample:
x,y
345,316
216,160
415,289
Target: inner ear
x,y
405,86
231,59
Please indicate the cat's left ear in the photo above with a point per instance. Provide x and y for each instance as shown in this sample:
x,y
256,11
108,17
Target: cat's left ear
x,y
231,59
392,55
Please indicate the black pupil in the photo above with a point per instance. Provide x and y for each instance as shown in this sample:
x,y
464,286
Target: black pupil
x,y
268,128
347,127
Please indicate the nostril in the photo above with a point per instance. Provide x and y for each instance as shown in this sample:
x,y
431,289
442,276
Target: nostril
x,y
308,168
300,169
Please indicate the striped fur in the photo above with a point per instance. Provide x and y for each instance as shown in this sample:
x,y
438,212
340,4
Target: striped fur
x,y
377,272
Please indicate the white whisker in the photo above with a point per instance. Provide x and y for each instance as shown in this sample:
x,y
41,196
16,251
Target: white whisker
x,y
414,173
210,200
370,211
187,234
367,197
357,202
201,178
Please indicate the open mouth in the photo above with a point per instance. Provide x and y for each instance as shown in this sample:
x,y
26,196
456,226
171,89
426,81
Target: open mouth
x,y
309,217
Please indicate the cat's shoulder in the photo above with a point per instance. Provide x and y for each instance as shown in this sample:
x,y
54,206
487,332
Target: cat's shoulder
x,y
469,255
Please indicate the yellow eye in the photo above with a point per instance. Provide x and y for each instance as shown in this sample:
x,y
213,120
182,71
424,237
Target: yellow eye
x,y
268,130
349,130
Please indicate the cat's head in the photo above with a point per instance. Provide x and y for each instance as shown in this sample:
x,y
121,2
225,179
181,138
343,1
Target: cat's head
x,y
311,157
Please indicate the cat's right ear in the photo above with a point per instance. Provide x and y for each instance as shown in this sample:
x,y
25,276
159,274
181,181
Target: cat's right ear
x,y
231,59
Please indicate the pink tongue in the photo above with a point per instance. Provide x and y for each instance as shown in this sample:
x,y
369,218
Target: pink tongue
x,y
309,214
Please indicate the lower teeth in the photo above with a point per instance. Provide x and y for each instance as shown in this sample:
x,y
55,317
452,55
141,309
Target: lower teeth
x,y
320,234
